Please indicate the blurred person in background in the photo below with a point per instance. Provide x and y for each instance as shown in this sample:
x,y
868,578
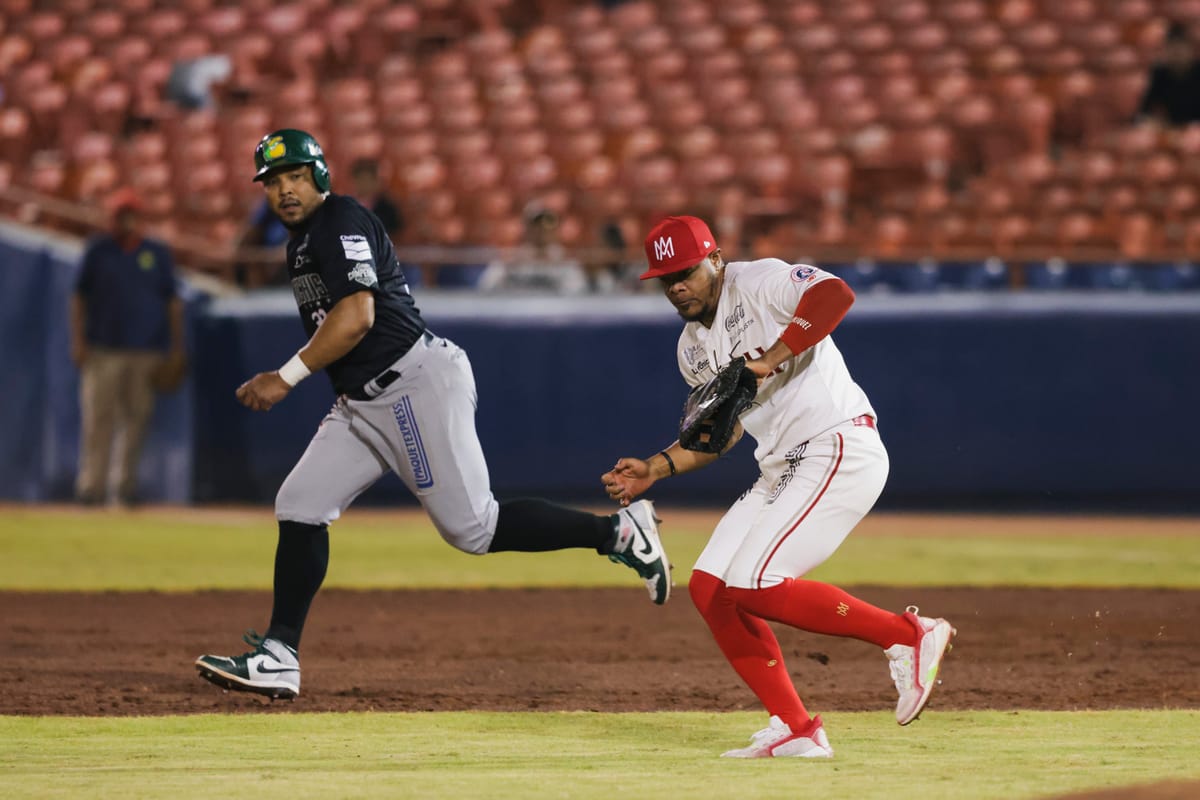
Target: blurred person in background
x,y
540,263
263,232
1173,93
126,332
607,273
370,190
190,82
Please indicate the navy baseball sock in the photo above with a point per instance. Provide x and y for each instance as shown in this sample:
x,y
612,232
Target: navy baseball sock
x,y
530,525
301,558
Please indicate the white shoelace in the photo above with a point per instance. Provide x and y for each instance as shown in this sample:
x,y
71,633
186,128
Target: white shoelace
x,y
763,735
768,733
902,672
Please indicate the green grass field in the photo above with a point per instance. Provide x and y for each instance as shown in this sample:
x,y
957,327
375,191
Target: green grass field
x,y
578,755
948,756
172,550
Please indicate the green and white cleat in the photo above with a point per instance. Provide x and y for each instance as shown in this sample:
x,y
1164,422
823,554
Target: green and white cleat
x,y
272,669
639,547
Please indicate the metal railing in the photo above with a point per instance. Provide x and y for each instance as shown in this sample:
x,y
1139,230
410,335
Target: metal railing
x,y
221,260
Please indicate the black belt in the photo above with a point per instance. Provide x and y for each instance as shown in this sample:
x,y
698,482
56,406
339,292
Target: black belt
x,y
374,387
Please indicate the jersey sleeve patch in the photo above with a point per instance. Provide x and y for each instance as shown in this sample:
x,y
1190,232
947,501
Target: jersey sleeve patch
x,y
357,248
362,273
802,273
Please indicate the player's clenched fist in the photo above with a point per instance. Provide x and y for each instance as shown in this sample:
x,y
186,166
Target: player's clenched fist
x,y
263,391
627,479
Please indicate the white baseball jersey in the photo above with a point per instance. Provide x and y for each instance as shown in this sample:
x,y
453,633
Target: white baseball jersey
x,y
821,469
809,393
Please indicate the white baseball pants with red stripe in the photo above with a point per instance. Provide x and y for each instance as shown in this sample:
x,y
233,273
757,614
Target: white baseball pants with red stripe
x,y
800,510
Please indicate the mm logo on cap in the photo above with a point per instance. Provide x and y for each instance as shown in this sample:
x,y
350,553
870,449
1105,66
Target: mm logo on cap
x,y
275,148
664,247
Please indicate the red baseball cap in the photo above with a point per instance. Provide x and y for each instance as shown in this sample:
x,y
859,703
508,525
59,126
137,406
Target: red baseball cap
x,y
677,243
124,198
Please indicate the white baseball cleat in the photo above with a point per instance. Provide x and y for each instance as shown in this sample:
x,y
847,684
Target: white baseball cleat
x,y
777,741
915,669
639,547
271,668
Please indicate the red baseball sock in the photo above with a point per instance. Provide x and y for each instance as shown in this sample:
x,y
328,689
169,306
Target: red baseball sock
x,y
750,646
822,608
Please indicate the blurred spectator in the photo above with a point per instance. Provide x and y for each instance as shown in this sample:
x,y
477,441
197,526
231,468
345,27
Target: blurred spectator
x,y
191,80
1173,94
261,250
729,221
607,274
370,191
540,263
126,333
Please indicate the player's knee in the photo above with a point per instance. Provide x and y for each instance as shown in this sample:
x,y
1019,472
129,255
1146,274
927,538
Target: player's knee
x,y
474,539
291,504
467,525
747,572
704,590
744,583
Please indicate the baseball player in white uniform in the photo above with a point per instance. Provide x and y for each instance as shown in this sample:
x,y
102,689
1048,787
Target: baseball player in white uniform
x,y
822,467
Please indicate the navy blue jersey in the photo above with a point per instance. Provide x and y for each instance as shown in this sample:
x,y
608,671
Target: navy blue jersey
x,y
126,294
342,249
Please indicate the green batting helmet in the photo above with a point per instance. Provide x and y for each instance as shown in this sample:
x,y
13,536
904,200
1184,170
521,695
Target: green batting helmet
x,y
290,146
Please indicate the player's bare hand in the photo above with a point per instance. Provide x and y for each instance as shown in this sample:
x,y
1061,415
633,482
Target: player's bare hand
x,y
760,368
262,391
629,478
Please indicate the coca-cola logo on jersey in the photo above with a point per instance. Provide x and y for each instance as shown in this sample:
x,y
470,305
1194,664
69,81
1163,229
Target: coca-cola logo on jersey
x,y
735,317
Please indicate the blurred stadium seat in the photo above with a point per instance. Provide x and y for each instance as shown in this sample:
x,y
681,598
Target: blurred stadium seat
x,y
897,129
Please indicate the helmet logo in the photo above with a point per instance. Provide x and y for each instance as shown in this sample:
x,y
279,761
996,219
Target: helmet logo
x,y
664,247
274,148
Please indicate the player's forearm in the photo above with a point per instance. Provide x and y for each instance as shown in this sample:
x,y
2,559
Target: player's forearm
x,y
342,330
775,355
676,460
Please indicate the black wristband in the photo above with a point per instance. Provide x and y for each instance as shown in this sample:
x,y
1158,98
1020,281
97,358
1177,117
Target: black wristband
x,y
670,463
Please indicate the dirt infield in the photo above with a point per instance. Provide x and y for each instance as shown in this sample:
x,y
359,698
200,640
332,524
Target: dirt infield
x,y
601,650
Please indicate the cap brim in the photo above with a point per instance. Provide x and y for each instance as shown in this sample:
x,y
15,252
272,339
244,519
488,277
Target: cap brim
x,y
279,167
658,272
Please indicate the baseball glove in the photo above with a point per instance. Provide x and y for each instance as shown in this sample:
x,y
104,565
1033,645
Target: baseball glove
x,y
712,409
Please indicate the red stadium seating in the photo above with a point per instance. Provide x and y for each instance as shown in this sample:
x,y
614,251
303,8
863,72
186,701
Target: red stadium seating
x,y
955,123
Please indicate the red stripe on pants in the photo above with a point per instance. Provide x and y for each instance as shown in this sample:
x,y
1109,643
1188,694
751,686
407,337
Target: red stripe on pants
x,y
841,451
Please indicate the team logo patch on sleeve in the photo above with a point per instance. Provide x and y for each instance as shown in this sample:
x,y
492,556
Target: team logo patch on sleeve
x,y
802,273
362,273
357,248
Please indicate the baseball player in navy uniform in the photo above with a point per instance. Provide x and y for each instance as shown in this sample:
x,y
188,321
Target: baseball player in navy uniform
x,y
822,466
406,402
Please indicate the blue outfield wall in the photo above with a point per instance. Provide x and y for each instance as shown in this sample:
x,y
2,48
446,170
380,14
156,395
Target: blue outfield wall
x,y
985,401
1049,401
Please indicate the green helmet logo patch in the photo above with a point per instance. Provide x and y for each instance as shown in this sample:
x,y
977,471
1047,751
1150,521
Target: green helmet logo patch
x,y
274,148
